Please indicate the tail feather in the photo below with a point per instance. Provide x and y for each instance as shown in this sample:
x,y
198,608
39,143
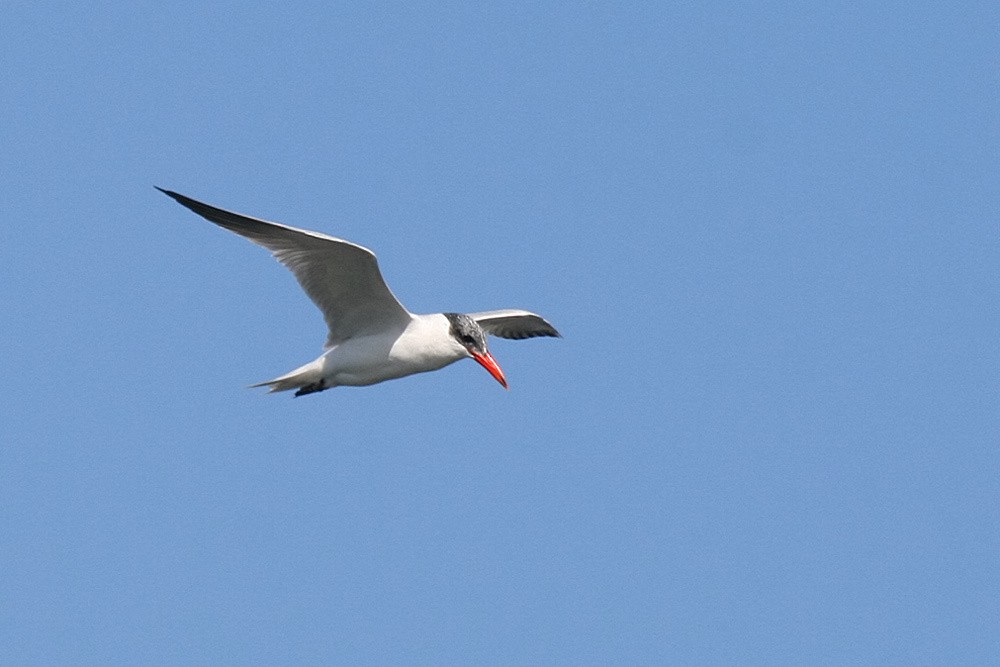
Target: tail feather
x,y
308,376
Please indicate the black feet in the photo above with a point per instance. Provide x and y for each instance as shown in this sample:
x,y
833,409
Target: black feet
x,y
311,388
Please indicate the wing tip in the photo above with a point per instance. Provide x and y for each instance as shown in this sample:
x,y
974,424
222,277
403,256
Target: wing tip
x,y
547,329
549,332
176,196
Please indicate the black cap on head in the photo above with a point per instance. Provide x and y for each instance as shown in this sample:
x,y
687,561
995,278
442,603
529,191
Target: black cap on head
x,y
466,331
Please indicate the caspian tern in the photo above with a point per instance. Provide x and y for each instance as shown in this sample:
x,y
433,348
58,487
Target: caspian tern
x,y
372,337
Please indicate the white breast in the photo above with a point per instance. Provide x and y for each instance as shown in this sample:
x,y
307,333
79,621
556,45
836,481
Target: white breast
x,y
425,345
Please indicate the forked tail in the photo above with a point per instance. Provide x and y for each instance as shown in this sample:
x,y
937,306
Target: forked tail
x,y
306,379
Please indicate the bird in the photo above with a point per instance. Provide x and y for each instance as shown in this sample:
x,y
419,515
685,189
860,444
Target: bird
x,y
372,337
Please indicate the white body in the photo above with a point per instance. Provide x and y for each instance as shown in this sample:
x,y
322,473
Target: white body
x,y
424,345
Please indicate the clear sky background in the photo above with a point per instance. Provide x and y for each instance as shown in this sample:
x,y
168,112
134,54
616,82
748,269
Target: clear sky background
x,y
768,232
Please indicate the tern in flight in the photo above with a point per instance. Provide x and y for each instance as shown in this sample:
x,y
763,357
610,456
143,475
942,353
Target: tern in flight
x,y
372,337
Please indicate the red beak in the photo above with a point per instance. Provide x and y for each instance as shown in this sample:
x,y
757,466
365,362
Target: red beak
x,y
489,363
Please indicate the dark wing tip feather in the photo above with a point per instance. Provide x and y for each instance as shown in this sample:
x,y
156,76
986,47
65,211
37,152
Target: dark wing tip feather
x,y
542,328
538,333
216,215
552,332
254,229
170,193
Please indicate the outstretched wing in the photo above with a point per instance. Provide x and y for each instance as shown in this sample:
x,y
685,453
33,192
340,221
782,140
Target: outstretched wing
x,y
515,324
341,278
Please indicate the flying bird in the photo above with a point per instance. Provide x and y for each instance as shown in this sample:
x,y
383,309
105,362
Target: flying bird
x,y
372,337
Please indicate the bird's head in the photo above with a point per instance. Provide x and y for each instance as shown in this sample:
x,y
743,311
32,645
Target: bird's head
x,y
472,338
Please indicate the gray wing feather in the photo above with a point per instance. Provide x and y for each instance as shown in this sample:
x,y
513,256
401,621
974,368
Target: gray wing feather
x,y
341,278
515,324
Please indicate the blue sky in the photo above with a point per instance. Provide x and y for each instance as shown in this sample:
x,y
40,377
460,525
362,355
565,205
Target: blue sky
x,y
768,232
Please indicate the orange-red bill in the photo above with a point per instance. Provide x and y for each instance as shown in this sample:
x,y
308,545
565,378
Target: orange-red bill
x,y
489,363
